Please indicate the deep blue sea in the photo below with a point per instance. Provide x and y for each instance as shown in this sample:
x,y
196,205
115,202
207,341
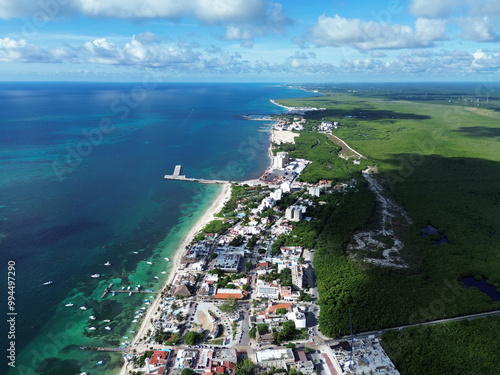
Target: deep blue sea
x,y
81,183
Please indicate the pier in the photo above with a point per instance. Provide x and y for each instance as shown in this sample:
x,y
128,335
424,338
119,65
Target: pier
x,y
103,349
178,177
109,290
177,170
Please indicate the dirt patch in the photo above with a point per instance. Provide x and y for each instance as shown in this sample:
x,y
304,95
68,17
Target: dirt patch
x,y
382,244
203,320
346,151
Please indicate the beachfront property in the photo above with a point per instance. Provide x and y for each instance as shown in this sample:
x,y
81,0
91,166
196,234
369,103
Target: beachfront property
x,y
193,285
281,160
196,252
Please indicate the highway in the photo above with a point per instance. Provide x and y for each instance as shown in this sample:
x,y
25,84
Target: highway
x,y
362,335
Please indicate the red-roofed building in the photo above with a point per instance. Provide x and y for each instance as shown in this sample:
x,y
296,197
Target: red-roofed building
x,y
159,357
230,293
272,309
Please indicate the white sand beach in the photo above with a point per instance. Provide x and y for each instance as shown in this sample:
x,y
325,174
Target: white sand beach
x,y
152,311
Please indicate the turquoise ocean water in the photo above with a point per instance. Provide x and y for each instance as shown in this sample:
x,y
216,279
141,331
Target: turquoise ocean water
x,y
81,183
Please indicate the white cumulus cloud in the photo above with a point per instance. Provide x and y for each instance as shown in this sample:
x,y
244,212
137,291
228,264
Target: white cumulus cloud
x,y
435,8
135,52
19,50
366,35
479,29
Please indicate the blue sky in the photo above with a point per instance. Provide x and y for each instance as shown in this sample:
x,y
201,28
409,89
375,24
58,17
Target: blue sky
x,y
250,40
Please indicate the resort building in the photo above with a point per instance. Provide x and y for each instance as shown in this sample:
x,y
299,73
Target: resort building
x,y
281,160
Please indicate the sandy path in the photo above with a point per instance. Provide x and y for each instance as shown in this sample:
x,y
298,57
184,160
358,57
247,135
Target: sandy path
x,y
152,312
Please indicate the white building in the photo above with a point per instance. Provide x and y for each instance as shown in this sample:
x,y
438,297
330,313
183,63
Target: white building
x,y
281,160
277,194
298,317
228,262
266,290
286,187
293,213
279,358
315,191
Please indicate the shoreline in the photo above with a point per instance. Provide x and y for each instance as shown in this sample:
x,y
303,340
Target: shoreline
x,y
209,214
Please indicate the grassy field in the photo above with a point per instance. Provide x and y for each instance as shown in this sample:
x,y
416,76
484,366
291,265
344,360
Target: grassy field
x,y
440,156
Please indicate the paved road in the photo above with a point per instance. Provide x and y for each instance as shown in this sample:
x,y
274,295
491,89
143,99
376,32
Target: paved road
x,y
440,321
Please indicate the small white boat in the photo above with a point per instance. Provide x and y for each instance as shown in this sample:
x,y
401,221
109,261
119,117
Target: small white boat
x,y
107,328
123,287
107,263
83,308
136,252
167,259
128,287
134,321
129,293
92,328
138,287
156,277
92,317
106,320
47,283
164,272
149,262
95,275
100,363
68,305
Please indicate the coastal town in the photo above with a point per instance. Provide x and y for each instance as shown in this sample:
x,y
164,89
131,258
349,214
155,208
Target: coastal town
x,y
241,296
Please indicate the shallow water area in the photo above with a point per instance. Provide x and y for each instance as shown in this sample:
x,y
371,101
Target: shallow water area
x,y
111,204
